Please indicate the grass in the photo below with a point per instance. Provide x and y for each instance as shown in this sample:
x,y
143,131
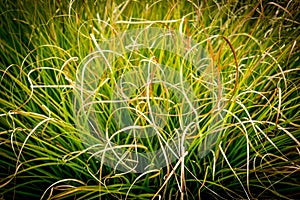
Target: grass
x,y
253,61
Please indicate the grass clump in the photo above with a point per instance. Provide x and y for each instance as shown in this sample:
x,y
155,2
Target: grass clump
x,y
248,109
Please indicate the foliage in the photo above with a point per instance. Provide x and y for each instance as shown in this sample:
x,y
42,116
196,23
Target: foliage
x,y
255,51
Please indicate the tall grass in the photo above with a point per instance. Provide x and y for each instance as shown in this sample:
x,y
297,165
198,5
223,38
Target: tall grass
x,y
254,50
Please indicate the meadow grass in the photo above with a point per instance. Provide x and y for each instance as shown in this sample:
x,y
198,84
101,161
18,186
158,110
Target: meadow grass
x,y
254,51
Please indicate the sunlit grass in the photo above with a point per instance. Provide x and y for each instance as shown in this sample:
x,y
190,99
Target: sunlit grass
x,y
255,54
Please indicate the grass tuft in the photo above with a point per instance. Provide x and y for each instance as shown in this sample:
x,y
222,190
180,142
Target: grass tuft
x,y
240,101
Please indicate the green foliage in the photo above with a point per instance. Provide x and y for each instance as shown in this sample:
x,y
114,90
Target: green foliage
x,y
255,51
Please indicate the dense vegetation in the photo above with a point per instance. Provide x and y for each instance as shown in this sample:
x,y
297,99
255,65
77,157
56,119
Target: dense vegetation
x,y
253,51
